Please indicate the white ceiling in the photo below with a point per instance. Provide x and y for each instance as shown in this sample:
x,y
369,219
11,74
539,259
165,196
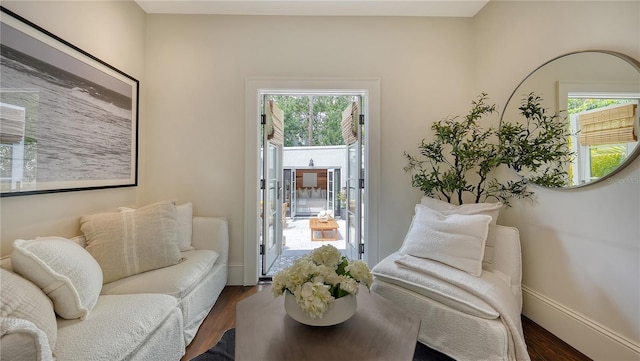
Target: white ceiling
x,y
449,8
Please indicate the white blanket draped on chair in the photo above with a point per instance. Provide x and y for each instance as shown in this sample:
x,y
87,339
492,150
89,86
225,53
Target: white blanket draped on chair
x,y
488,287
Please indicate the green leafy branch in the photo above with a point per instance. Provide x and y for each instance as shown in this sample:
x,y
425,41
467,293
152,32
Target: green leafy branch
x,y
462,155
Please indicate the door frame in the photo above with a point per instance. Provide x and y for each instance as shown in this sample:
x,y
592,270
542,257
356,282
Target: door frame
x,y
254,89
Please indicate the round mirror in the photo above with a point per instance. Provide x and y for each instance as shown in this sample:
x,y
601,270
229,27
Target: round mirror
x,y
596,93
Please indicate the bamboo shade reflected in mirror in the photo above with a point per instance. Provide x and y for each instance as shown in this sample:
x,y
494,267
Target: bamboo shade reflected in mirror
x,y
608,126
12,123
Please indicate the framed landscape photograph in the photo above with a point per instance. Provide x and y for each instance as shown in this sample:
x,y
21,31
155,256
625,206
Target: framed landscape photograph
x,y
68,120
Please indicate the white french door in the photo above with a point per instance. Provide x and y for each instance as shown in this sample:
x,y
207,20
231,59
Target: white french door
x,y
271,184
352,124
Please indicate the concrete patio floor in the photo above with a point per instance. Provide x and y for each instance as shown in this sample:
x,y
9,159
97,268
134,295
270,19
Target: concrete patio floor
x,y
297,242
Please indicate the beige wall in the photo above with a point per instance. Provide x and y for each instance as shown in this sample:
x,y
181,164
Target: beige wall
x,y
197,67
580,247
113,32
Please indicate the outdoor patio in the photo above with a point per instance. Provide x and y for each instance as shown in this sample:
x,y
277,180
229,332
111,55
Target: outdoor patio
x,y
297,242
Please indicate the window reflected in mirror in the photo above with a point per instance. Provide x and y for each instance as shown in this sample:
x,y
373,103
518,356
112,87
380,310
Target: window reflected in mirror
x,y
604,134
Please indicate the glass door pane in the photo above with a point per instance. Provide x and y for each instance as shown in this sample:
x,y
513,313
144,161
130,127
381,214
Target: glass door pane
x,y
352,194
272,209
330,191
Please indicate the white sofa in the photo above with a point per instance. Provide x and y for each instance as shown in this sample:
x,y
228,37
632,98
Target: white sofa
x,y
151,315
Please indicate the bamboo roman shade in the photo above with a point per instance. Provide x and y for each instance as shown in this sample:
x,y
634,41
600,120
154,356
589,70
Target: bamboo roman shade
x,y
275,121
350,123
609,126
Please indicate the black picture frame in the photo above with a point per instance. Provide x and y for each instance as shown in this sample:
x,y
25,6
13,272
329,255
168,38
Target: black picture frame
x,y
69,121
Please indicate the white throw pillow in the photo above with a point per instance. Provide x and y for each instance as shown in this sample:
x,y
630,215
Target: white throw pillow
x,y
26,317
456,240
128,243
490,209
185,224
65,271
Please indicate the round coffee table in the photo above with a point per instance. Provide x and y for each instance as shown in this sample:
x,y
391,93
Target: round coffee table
x,y
379,330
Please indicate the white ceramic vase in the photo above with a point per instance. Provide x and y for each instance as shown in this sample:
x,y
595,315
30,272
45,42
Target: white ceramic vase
x,y
341,310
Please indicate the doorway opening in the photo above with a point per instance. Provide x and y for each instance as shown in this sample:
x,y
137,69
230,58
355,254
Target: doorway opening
x,y
312,173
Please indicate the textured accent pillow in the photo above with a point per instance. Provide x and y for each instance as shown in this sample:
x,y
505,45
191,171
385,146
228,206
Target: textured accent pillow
x,y
21,340
128,243
490,209
456,240
65,271
185,224
26,311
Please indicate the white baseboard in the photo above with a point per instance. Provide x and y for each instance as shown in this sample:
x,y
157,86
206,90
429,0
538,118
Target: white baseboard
x,y
235,276
587,336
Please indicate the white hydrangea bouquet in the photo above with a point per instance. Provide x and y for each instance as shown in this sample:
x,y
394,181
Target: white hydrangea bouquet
x,y
320,277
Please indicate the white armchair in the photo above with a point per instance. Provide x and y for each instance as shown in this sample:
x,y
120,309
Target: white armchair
x,y
465,316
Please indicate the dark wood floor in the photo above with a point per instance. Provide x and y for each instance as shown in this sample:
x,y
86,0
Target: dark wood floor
x,y
542,345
